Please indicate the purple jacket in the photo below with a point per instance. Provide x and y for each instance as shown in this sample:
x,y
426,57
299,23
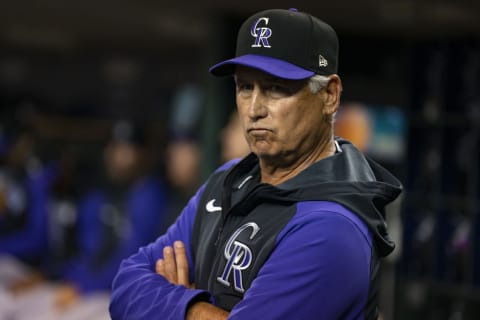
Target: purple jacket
x,y
305,249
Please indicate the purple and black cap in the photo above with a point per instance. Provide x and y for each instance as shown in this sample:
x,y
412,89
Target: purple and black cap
x,y
285,43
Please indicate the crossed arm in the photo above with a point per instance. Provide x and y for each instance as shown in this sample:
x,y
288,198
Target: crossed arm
x,y
282,289
174,268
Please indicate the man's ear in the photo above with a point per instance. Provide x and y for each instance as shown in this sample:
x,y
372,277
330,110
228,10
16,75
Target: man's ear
x,y
333,91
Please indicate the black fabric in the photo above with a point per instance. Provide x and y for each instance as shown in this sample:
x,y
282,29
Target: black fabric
x,y
347,178
295,37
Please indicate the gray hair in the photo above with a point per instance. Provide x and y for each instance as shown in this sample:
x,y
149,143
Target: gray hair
x,y
317,82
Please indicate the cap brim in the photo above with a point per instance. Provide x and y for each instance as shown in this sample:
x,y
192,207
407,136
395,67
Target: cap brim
x,y
276,67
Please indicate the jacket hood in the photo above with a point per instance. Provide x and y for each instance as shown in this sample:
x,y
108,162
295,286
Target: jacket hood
x,y
348,178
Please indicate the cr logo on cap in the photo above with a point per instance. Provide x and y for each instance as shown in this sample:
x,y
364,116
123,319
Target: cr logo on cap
x,y
261,34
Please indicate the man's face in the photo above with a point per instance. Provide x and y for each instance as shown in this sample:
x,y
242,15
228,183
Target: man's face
x,y
121,160
281,118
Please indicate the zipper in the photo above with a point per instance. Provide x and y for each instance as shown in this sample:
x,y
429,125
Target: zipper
x,y
247,198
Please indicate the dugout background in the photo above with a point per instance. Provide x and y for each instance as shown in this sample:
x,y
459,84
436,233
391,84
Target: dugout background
x,y
84,65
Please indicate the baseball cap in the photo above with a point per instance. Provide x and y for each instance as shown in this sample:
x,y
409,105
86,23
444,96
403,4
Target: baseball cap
x,y
285,43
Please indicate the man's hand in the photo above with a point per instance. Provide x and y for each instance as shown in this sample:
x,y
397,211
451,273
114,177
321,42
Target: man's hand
x,y
174,268
174,265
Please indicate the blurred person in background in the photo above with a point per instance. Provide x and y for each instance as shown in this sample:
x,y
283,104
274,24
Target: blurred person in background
x,y
123,213
25,190
182,171
25,184
353,123
120,211
183,151
233,142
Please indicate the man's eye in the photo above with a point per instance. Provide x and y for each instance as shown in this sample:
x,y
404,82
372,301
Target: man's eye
x,y
277,90
244,87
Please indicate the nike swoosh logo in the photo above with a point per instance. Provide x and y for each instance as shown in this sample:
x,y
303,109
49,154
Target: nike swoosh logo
x,y
211,207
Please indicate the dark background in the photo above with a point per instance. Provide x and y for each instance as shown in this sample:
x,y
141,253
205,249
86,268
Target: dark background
x,y
85,64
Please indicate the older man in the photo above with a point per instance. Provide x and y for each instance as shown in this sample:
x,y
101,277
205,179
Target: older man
x,y
294,230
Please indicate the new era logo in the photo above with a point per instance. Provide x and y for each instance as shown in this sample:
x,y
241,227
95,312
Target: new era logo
x,y
322,62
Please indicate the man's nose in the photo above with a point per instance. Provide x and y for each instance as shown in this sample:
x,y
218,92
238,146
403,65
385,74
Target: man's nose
x,y
258,105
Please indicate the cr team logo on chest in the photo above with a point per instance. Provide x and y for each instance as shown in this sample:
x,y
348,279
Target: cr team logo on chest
x,y
239,257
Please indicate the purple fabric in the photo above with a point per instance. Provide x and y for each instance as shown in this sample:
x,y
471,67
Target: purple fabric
x,y
31,242
139,293
319,269
276,67
145,204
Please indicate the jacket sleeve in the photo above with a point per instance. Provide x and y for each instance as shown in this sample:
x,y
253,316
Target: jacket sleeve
x,y
318,270
139,293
